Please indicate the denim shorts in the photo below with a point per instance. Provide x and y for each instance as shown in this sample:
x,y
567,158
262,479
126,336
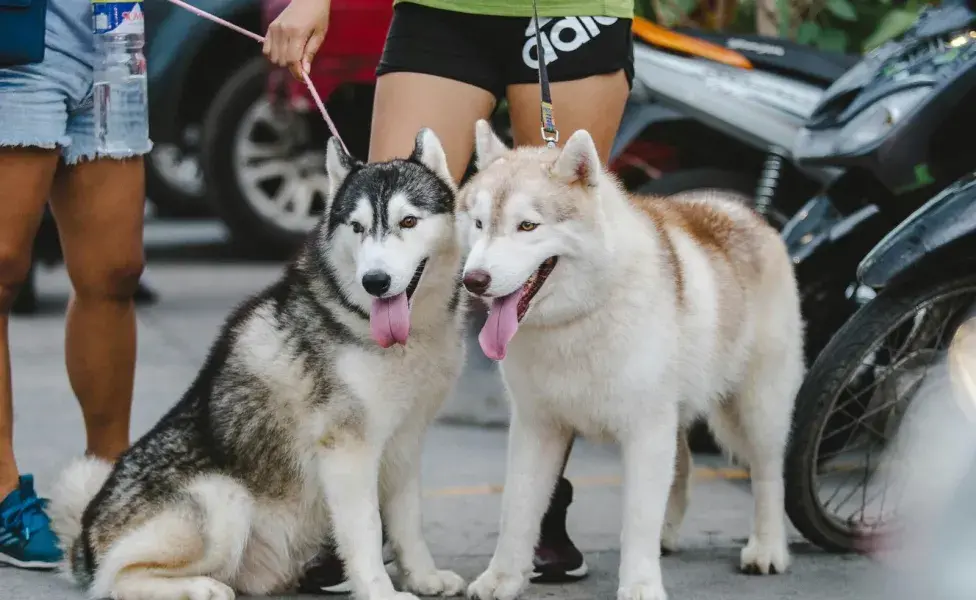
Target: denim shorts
x,y
50,105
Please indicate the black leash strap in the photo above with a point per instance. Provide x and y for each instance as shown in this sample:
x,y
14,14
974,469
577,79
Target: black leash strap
x,y
550,135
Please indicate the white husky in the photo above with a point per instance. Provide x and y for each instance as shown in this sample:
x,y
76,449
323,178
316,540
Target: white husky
x,y
633,316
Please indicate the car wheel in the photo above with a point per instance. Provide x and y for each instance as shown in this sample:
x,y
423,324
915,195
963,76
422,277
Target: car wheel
x,y
174,182
265,176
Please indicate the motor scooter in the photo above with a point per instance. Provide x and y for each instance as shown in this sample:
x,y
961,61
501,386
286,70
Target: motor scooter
x,y
905,351
732,106
895,130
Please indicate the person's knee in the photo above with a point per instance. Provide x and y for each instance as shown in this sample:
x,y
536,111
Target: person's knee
x,y
14,268
114,278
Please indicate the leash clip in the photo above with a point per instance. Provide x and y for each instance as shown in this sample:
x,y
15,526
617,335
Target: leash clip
x,y
550,135
550,138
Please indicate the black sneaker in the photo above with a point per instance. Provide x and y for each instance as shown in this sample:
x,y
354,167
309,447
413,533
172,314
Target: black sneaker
x,y
326,574
557,560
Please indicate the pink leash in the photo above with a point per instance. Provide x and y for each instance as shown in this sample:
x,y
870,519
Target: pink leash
x,y
260,39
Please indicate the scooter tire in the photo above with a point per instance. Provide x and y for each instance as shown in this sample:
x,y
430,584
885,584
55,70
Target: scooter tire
x,y
708,178
823,385
688,180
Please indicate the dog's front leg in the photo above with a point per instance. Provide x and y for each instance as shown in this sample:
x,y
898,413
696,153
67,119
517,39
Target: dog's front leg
x,y
400,478
648,456
350,476
536,449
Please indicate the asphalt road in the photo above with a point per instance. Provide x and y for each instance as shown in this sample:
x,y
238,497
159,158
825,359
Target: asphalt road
x,y
463,466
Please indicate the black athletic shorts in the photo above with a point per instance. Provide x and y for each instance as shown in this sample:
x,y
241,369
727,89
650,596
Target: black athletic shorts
x,y
494,52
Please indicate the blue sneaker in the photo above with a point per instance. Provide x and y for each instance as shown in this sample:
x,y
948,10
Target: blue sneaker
x,y
26,539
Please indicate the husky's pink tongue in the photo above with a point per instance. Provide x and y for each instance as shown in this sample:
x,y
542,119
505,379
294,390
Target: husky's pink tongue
x,y
389,320
501,325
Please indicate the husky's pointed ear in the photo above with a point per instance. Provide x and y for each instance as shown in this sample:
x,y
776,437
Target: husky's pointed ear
x,y
488,146
579,161
428,151
338,165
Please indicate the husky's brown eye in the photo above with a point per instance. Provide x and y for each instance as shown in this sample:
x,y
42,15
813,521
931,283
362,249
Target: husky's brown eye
x,y
527,226
477,223
357,228
408,222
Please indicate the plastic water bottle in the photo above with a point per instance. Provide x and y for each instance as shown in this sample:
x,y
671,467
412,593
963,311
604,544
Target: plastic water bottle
x,y
121,106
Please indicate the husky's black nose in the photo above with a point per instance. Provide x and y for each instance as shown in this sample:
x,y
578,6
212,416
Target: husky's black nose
x,y
376,282
477,281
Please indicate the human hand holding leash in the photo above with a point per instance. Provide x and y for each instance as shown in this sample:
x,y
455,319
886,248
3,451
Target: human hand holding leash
x,y
297,72
295,35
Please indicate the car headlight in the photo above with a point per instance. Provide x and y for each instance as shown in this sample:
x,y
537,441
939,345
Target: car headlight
x,y
878,119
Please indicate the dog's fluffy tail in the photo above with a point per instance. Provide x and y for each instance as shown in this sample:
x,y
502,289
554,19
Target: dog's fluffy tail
x,y
76,487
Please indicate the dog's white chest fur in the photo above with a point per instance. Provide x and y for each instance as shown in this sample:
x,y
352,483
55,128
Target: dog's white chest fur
x,y
622,364
591,379
402,380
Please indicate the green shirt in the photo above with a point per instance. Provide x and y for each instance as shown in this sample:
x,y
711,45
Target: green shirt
x,y
547,8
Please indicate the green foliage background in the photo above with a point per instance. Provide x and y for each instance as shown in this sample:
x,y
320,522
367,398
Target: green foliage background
x,y
853,26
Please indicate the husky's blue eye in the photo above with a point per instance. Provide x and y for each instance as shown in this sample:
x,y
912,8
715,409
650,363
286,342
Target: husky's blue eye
x,y
356,227
477,223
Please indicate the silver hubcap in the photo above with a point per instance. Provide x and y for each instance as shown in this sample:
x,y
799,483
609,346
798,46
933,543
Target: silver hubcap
x,y
178,169
281,178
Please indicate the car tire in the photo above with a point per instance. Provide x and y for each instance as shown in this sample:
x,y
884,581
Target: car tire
x,y
255,234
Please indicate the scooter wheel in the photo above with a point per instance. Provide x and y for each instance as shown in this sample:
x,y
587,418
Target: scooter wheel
x,y
707,178
858,359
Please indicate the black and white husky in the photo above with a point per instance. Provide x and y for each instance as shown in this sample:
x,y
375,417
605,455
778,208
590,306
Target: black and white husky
x,y
306,422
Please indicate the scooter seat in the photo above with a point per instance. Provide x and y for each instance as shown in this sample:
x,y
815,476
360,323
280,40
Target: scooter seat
x,y
781,56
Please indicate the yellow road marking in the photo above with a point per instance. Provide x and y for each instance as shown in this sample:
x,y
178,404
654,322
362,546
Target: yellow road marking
x,y
726,473
592,481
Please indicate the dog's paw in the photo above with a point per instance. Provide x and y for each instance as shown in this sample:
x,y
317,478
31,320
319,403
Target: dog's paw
x,y
392,595
492,585
764,558
435,583
185,588
642,591
205,588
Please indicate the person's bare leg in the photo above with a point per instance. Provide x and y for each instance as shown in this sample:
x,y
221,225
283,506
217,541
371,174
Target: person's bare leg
x,y
595,104
98,206
403,104
26,175
406,102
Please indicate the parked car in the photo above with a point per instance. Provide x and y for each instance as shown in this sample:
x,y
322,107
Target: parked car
x,y
263,140
188,59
